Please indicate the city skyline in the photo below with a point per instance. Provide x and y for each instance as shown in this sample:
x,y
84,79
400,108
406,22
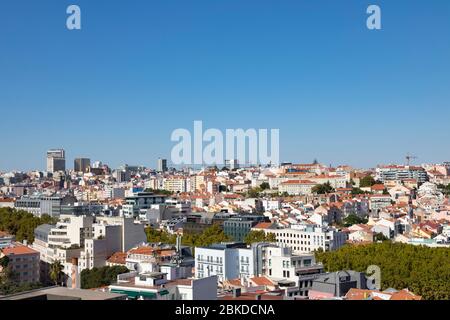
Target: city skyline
x,y
337,91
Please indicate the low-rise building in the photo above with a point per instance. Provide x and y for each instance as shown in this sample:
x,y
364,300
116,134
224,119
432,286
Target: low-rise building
x,y
23,261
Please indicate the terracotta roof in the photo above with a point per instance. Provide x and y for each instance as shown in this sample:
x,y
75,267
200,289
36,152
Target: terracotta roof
x,y
18,250
141,250
118,258
298,182
262,281
263,225
405,294
378,187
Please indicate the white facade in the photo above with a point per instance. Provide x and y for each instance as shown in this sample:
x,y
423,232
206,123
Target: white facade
x,y
307,238
224,262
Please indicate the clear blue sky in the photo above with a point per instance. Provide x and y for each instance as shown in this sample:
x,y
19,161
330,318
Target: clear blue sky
x,y
139,69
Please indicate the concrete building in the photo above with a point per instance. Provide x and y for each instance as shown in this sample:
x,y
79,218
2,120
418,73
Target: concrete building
x,y
336,284
232,164
56,160
239,227
61,293
162,165
175,184
297,187
157,286
400,173
5,239
85,242
226,261
140,201
81,164
40,205
307,238
23,261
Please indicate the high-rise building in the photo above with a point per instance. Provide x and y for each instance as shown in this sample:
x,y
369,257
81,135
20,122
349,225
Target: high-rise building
x,y
56,160
162,165
232,164
81,164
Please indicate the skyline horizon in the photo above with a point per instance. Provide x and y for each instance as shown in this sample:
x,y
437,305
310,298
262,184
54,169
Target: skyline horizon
x,y
70,160
118,88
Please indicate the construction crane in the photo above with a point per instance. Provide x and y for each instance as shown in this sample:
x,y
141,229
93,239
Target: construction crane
x,y
409,157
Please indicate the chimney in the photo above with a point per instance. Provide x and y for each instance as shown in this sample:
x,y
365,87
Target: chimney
x,y
236,292
25,242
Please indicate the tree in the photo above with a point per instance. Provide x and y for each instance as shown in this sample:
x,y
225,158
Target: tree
x,y
367,181
423,270
56,269
380,237
264,186
353,219
4,262
21,223
356,191
100,277
155,236
322,188
259,236
159,191
254,192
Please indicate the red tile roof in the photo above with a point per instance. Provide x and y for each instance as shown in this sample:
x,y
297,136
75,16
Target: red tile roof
x,y
18,250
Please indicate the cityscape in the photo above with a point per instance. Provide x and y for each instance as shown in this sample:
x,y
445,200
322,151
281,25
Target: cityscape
x,y
220,159
235,232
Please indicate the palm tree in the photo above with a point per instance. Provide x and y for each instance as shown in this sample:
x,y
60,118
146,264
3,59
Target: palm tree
x,y
55,271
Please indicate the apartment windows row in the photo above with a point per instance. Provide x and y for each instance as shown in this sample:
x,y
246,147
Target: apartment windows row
x,y
210,259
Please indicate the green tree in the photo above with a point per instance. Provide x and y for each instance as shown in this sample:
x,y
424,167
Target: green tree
x,y
353,219
254,192
154,236
323,188
259,236
356,191
4,262
100,277
55,271
367,181
423,270
264,186
159,191
21,223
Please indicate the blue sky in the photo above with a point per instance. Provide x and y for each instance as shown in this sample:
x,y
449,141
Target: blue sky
x,y
115,90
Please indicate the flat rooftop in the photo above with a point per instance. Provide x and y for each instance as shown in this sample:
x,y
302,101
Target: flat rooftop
x,y
62,293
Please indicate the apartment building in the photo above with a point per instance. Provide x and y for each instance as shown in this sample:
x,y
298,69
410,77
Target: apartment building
x,y
40,205
5,239
297,187
140,201
175,184
226,261
23,261
157,286
85,242
307,238
400,173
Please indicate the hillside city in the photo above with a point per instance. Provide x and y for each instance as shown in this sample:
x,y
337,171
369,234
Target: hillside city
x,y
229,232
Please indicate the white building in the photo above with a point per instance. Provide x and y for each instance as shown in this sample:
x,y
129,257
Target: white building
x,y
226,261
308,238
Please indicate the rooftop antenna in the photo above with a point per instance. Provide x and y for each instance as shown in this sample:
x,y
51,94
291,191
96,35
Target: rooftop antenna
x,y
178,258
